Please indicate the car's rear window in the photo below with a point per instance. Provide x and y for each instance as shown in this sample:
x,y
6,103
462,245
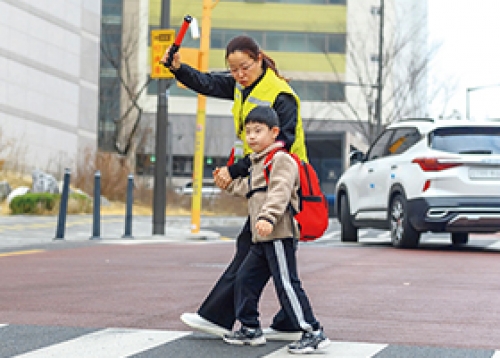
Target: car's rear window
x,y
466,140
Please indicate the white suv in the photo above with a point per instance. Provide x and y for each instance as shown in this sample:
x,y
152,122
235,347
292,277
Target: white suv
x,y
424,175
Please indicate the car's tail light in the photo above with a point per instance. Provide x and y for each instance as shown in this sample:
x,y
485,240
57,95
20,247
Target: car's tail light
x,y
427,185
434,164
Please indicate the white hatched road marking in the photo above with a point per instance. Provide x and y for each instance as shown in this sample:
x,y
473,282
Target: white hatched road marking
x,y
330,235
121,342
494,246
340,349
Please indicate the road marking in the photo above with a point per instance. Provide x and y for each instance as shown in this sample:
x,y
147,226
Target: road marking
x,y
16,253
494,246
340,349
330,235
121,342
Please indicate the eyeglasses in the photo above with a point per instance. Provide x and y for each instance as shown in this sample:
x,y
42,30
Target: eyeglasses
x,y
242,68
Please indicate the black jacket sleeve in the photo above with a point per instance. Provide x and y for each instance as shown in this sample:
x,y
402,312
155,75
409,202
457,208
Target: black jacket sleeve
x,y
240,168
287,109
215,84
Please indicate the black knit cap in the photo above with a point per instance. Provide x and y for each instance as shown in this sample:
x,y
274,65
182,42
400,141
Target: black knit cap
x,y
263,114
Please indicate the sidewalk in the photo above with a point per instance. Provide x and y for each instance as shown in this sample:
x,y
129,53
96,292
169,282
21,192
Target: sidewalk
x,y
24,230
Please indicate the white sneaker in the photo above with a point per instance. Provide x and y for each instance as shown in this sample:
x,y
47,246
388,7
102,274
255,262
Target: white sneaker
x,y
275,335
194,320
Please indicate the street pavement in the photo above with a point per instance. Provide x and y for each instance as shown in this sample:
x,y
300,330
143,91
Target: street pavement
x,y
37,320
28,230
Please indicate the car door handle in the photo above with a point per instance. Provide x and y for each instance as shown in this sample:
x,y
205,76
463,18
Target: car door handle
x,y
370,170
394,167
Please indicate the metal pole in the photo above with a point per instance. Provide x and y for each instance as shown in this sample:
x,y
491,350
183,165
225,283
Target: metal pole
x,y
160,190
378,106
63,206
170,142
128,212
96,226
199,145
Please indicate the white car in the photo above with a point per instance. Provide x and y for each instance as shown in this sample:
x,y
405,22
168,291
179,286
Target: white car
x,y
424,175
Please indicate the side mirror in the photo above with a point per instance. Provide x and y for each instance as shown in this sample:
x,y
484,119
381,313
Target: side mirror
x,y
356,157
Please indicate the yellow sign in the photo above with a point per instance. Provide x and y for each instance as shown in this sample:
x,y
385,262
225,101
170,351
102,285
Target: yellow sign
x,y
160,41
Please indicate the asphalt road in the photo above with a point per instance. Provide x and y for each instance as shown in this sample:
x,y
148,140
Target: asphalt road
x,y
118,297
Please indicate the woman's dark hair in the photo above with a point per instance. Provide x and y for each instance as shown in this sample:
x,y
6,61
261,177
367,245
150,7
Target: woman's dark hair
x,y
248,45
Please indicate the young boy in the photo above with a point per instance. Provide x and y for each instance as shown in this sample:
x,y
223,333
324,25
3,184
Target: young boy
x,y
273,244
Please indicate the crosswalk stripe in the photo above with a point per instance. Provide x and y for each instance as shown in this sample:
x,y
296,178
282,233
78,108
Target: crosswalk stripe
x,y
125,342
340,349
121,342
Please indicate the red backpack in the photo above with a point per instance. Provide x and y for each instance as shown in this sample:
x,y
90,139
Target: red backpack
x,y
312,216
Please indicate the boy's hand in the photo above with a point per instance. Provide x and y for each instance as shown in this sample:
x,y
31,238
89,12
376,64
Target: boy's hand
x,y
263,227
222,177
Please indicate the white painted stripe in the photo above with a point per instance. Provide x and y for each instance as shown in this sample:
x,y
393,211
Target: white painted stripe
x,y
362,233
437,240
384,235
496,355
3,324
121,342
494,246
340,349
330,235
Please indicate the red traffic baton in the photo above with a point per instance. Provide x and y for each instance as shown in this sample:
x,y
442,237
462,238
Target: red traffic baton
x,y
178,40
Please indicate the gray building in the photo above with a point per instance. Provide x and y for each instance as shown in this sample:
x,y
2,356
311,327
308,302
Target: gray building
x,y
49,79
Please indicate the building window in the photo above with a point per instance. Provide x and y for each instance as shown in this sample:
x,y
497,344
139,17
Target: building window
x,y
275,40
312,2
109,83
306,90
319,91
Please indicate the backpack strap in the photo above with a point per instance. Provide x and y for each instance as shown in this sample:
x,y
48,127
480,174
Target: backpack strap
x,y
268,162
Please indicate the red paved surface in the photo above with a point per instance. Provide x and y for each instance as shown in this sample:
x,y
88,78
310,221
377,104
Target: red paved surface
x,y
368,294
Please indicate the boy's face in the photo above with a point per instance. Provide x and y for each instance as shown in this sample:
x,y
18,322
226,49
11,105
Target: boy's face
x,y
259,136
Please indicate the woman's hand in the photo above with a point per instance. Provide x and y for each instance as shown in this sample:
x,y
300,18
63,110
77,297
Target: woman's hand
x,y
263,227
176,61
222,177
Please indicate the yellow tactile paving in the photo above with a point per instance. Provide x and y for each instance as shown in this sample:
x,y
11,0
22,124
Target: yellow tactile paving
x,y
17,253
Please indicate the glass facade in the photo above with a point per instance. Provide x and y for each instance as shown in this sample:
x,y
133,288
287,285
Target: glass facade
x,y
109,82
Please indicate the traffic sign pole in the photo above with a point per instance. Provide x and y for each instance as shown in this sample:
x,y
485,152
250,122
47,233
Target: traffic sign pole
x,y
160,41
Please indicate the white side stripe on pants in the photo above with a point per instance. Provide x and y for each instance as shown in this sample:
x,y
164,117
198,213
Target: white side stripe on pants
x,y
287,285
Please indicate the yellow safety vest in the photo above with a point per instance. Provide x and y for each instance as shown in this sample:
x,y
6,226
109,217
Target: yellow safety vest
x,y
264,94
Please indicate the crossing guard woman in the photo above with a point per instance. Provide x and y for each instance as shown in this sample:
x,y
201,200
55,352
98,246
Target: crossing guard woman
x,y
252,80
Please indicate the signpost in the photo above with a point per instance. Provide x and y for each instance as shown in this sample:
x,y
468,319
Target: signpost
x,y
160,41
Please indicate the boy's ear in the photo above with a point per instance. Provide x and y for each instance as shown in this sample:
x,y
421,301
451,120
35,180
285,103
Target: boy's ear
x,y
275,131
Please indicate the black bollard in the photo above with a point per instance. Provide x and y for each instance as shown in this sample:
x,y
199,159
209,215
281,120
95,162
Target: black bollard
x,y
63,207
128,213
96,225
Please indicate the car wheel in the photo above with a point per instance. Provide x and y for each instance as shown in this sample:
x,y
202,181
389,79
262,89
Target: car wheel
x,y
459,238
348,232
403,235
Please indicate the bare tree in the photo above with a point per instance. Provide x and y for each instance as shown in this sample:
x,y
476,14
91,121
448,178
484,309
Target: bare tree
x,y
406,62
127,84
